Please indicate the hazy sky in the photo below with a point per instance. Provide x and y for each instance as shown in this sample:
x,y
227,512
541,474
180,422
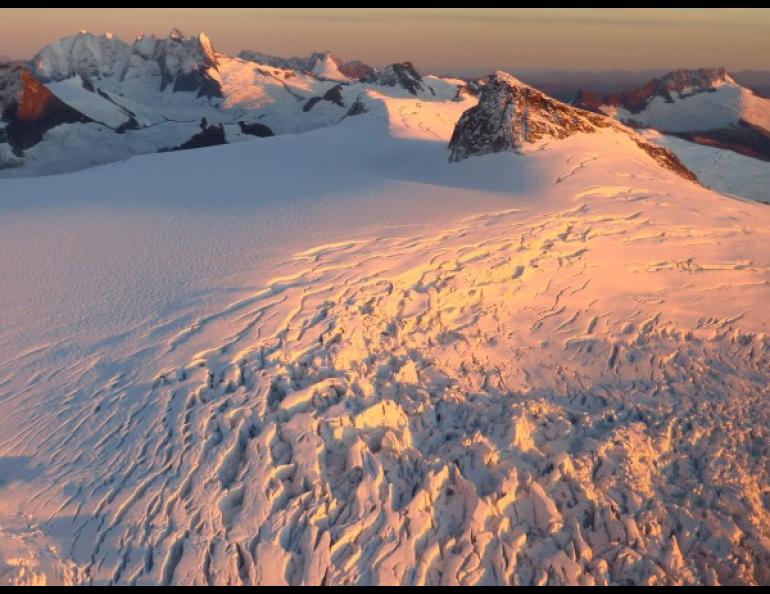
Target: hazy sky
x,y
437,40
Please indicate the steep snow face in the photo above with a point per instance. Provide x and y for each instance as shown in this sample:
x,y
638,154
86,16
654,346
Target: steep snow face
x,y
83,54
722,170
390,369
181,62
322,64
328,67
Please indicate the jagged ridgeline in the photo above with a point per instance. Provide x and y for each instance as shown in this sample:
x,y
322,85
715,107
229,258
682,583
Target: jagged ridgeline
x,y
152,94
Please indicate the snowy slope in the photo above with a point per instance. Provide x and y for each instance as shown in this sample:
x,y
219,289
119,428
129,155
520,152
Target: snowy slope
x,y
722,170
545,367
726,105
706,106
726,124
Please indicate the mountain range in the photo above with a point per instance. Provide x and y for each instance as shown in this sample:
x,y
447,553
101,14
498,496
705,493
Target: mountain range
x,y
91,99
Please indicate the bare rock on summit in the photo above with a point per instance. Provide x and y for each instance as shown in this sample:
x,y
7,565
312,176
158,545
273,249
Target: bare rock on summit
x,y
511,114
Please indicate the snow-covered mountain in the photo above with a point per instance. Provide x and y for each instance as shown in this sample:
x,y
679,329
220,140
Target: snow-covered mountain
x,y
322,64
155,94
339,357
705,106
29,110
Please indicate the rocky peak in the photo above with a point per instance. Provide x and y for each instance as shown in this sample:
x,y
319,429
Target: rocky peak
x,y
184,63
701,79
28,109
511,114
401,75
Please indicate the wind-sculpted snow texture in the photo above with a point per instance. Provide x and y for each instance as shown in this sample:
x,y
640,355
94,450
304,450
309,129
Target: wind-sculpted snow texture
x,y
572,389
578,397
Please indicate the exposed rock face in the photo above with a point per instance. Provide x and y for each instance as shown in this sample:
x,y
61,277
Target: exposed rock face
x,y
355,69
29,109
333,95
587,99
680,82
358,108
471,88
208,136
255,129
181,63
510,115
401,75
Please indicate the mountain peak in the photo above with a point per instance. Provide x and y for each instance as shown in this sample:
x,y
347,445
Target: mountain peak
x,y
699,77
511,114
506,78
677,83
176,35
400,74
84,54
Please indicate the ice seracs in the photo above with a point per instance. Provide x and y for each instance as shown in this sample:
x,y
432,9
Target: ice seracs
x,y
335,358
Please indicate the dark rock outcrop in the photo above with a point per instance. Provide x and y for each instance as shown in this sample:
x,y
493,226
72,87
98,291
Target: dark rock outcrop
x,y
510,115
255,129
185,62
29,109
587,99
358,108
210,136
333,95
401,75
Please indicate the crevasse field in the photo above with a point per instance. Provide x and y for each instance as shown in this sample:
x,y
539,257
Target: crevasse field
x,y
336,358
